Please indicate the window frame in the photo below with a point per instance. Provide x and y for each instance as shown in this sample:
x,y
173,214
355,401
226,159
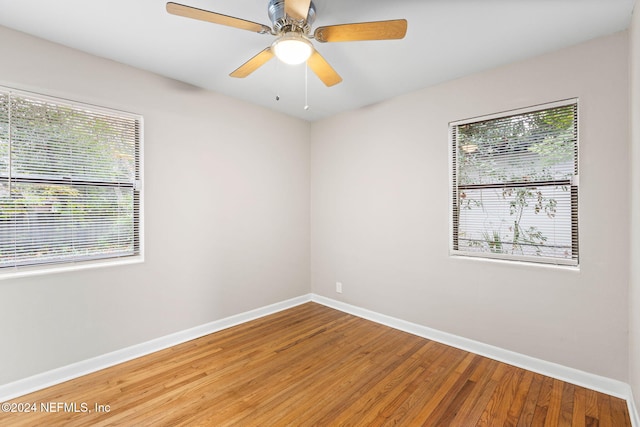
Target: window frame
x,y
572,183
138,187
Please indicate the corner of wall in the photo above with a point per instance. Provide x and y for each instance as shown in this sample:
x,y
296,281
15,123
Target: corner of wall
x,y
634,281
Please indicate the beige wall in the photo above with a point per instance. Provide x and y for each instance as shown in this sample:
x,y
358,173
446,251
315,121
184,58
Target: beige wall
x,y
379,181
227,216
634,289
380,214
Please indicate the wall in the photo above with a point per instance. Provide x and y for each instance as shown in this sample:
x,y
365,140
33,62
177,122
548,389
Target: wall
x,y
634,289
380,214
226,216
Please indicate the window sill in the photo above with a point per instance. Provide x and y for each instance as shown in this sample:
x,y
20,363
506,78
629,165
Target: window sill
x,y
18,272
513,262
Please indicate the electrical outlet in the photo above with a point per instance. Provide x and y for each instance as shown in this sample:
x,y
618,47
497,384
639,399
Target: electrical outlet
x,y
339,287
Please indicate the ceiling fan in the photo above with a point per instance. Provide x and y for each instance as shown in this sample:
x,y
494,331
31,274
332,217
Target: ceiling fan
x,y
291,24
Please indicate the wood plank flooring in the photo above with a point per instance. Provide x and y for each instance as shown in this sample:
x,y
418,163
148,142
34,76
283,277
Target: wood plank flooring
x,y
315,366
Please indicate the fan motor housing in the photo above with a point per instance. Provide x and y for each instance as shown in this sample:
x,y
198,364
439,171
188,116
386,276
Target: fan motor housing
x,y
282,22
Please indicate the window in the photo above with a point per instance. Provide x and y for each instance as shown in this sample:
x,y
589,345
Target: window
x,y
69,181
515,185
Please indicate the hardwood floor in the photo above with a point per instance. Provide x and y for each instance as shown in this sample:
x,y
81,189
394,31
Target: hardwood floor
x,y
315,366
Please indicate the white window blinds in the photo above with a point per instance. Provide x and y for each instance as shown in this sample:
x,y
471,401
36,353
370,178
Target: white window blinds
x,y
515,186
69,181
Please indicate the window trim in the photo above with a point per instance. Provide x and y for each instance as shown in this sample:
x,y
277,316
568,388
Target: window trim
x,y
574,186
97,262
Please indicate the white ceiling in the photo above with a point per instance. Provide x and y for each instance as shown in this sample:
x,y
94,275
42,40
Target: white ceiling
x,y
446,39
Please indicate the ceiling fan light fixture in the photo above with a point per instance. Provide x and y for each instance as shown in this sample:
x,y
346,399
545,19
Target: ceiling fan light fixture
x,y
292,48
291,24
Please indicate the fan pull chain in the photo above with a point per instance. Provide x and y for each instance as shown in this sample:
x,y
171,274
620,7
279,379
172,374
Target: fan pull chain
x,y
306,87
277,81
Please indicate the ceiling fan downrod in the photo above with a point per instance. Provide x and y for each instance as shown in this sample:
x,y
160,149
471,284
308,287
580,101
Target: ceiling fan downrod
x,y
281,22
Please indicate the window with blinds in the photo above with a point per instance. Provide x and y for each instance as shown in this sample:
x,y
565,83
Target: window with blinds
x,y
515,185
69,181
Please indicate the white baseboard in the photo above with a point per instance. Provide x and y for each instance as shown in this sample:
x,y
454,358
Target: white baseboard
x,y
56,376
574,376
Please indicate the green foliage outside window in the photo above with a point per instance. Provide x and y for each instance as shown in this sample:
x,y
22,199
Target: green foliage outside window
x,y
68,182
515,191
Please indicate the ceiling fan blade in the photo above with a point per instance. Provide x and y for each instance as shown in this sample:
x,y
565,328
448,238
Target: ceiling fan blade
x,y
253,64
378,30
216,18
323,70
297,9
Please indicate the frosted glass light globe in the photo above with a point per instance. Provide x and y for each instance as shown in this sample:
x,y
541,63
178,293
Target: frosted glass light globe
x,y
292,48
